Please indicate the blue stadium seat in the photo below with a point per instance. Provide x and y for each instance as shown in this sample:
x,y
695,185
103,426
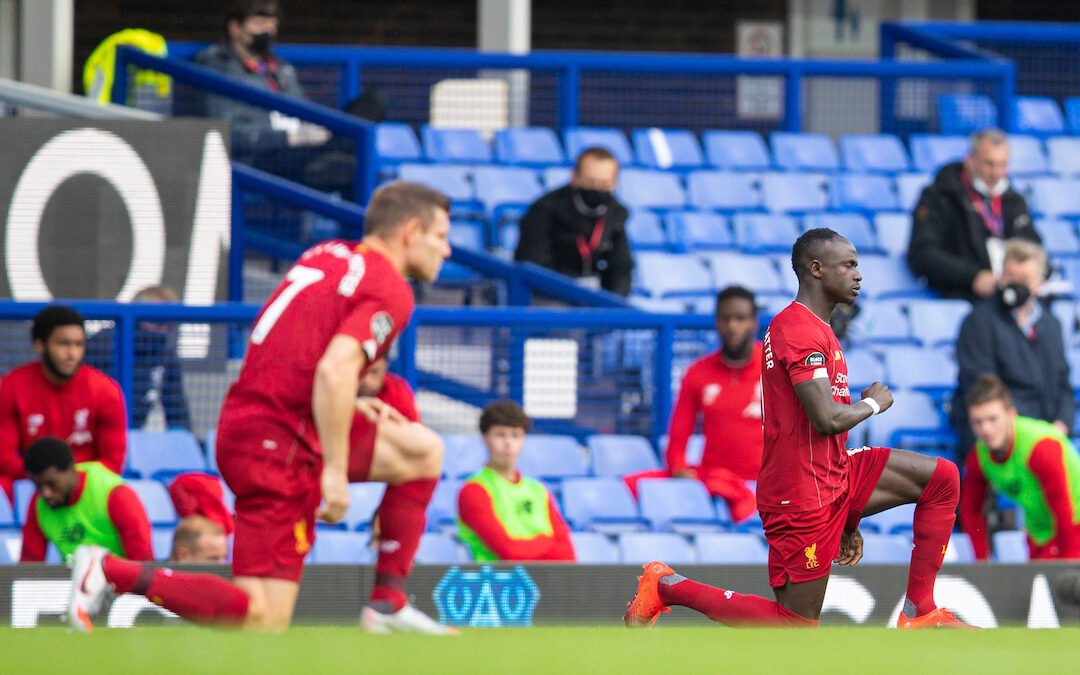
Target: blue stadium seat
x,y
910,411
645,232
1072,115
863,192
1011,546
638,548
506,189
960,549
556,176
1038,115
508,237
161,539
601,504
364,500
965,113
464,454
24,493
909,187
153,452
755,272
619,454
530,146
7,513
936,323
467,234
722,191
889,277
765,232
730,548
339,547
155,499
793,192
658,306
788,279
442,509
1026,156
893,232
453,181
677,504
577,139
10,547
650,189
1059,238
695,447
885,549
804,151
667,149
864,368
897,520
882,322
1063,155
931,152
931,370
1055,197
460,146
852,226
210,443
736,150
396,142
666,275
699,230
439,549
877,153
593,548
552,456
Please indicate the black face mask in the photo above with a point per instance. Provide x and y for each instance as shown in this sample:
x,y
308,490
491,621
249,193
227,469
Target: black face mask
x,y
594,199
1014,295
261,43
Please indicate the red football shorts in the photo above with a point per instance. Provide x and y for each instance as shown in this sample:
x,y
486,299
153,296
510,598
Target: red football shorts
x,y
361,448
802,544
275,512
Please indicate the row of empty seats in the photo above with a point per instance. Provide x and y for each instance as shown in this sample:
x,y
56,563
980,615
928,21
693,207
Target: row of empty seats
x,y
1038,115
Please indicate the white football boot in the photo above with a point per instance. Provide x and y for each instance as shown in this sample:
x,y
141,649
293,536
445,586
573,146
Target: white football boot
x,y
89,590
406,620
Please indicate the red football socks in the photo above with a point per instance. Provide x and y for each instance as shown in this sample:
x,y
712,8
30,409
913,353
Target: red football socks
x,y
729,607
935,513
200,598
402,519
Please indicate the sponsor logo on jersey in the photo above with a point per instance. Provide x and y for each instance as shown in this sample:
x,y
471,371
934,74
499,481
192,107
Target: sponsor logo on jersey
x,y
837,355
815,359
710,393
811,556
33,423
381,327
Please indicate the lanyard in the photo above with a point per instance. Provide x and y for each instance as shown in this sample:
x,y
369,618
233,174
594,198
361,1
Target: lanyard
x,y
991,217
268,70
587,248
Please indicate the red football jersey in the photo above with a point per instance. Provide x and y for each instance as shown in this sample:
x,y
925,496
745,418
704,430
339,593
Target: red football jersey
x,y
335,288
800,468
397,393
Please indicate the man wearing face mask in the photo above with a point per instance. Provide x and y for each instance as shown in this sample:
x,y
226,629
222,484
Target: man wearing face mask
x,y
1014,336
579,229
963,219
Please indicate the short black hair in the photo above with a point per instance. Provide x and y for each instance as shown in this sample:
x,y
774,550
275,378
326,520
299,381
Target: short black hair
x,y
242,9
595,152
505,413
46,452
735,292
809,246
52,317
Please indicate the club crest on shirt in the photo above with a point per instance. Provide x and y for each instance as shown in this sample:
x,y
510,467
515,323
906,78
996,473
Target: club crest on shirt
x,y
381,327
81,434
33,424
710,393
811,556
815,359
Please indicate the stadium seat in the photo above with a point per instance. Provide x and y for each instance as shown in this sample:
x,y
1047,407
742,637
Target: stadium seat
x,y
616,455
864,368
24,493
396,142
163,452
1055,197
931,370
442,509
863,192
454,146
577,139
453,181
1038,115
530,146
960,549
966,113
852,226
893,232
804,151
1026,156
897,520
788,279
463,455
1063,155
722,191
765,232
931,152
439,549
667,149
364,500
882,322
593,548
1011,546
793,192
645,232
885,549
210,443
556,176
467,234
503,189
677,504
658,306
699,230
650,189
10,547
665,275
338,547
730,548
909,187
155,499
736,150
161,539
936,323
695,447
910,411
7,513
638,548
876,153
1059,238
755,272
552,456
508,237
601,505
889,277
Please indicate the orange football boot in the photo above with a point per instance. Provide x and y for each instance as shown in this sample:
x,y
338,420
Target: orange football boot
x,y
645,608
939,618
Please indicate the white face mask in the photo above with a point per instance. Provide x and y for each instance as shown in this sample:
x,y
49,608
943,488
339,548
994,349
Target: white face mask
x,y
996,191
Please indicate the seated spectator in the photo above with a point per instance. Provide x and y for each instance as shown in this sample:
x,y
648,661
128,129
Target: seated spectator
x,y
503,515
77,504
724,388
1028,460
199,540
963,219
580,229
60,396
158,380
390,389
1014,336
200,494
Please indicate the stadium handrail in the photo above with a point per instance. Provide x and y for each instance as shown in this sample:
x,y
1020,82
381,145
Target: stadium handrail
x,y
35,97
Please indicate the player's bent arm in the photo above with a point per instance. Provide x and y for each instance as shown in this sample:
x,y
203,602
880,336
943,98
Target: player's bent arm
x,y
333,397
826,415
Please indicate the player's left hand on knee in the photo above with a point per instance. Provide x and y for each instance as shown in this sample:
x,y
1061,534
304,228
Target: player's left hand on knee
x,y
851,544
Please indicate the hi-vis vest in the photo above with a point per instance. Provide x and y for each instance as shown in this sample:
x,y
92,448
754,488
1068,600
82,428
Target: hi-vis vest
x,y
100,68
87,521
521,507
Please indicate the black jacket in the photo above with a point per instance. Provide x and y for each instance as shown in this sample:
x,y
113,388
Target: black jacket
x,y
1035,371
549,237
948,237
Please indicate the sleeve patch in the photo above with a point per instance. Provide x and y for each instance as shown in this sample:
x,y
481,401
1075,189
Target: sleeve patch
x,y
815,359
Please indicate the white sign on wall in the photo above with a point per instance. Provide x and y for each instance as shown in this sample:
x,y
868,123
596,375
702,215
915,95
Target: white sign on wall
x,y
759,97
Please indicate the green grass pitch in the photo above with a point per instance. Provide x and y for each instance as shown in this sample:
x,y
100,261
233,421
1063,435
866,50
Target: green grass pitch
x,y
548,650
